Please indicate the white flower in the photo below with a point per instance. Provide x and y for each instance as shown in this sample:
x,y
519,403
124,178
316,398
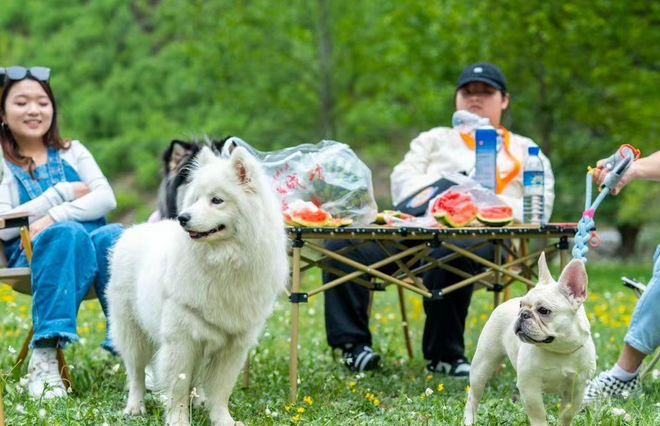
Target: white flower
x,y
11,351
656,374
20,409
19,389
42,413
618,411
597,335
24,380
625,394
182,376
193,393
627,417
115,368
428,391
268,412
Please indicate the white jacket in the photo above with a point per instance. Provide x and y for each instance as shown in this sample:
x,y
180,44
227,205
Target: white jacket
x,y
442,150
59,201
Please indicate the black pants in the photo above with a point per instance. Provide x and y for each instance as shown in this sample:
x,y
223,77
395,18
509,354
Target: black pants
x,y
346,305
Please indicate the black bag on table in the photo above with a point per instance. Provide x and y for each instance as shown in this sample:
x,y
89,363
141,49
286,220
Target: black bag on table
x,y
417,203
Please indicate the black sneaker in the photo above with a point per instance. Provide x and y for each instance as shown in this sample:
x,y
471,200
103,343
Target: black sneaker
x,y
360,358
459,368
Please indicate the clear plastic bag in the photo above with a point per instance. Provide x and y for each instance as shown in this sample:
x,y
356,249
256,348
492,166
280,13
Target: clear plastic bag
x,y
482,197
328,173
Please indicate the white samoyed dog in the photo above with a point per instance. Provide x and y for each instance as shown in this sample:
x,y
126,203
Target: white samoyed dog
x,y
196,293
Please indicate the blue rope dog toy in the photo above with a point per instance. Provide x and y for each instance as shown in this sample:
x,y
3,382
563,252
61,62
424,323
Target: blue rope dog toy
x,y
617,164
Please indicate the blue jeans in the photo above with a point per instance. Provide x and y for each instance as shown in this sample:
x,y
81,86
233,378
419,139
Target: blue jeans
x,y
67,260
644,331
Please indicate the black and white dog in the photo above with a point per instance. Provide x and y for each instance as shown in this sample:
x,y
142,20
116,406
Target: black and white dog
x,y
177,160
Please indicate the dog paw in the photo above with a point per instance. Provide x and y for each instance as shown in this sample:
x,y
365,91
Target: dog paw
x,y
136,409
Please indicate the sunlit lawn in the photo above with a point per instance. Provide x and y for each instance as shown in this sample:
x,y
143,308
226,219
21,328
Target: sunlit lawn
x,y
401,393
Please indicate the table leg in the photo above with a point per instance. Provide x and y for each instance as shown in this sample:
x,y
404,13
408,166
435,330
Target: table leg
x,y
404,321
295,307
497,292
563,252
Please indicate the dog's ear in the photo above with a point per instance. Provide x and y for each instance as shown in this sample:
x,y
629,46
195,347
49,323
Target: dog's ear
x,y
177,153
544,272
573,282
244,165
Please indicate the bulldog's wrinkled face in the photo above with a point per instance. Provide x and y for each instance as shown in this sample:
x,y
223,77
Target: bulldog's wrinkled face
x,y
550,314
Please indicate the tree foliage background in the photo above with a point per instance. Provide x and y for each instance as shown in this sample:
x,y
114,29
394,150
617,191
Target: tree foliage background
x,y
130,75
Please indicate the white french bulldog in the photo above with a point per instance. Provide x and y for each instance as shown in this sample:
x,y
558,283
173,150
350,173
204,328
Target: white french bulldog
x,y
546,335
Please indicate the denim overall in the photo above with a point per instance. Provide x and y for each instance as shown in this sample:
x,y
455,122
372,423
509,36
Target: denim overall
x,y
67,257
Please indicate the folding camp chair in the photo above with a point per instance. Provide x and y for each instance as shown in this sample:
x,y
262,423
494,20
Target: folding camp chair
x,y
639,288
20,281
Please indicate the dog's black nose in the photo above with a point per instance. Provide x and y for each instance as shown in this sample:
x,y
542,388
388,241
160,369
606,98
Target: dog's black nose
x,y
183,218
525,315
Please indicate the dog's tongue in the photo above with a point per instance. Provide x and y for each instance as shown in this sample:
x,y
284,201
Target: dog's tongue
x,y
193,234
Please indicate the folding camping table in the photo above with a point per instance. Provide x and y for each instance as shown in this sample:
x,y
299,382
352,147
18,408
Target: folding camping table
x,y
409,248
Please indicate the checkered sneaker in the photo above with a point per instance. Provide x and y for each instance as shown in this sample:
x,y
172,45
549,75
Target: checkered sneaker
x,y
605,385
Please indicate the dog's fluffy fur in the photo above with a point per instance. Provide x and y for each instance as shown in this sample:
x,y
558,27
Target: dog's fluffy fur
x,y
197,293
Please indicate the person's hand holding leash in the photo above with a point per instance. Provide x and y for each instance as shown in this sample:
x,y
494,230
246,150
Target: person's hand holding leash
x,y
601,172
647,168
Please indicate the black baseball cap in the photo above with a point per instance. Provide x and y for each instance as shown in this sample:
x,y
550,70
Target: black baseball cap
x,y
484,72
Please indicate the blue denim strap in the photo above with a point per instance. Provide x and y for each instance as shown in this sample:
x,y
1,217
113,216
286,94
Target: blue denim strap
x,y
30,184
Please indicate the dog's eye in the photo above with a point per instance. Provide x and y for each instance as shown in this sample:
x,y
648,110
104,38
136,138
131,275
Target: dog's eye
x,y
216,200
543,311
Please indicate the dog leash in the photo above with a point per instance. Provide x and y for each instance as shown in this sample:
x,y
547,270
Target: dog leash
x,y
617,164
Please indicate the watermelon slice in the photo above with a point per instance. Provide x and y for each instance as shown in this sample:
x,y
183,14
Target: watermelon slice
x,y
304,213
454,209
496,216
339,223
287,219
383,217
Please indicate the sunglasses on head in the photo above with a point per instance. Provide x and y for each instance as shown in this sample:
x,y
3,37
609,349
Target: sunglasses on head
x,y
20,73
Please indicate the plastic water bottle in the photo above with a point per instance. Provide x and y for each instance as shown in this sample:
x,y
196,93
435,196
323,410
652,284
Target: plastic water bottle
x,y
465,121
533,188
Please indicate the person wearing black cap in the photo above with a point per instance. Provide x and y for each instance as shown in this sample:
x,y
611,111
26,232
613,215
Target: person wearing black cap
x,y
482,90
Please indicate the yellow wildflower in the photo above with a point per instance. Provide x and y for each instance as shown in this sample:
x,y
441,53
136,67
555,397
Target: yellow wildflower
x,y
301,410
308,400
296,418
441,387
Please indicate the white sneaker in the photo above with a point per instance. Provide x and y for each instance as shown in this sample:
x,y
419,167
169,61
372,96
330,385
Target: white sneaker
x,y
45,380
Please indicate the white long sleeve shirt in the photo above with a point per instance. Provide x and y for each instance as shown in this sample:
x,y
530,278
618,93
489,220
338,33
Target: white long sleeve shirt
x,y
442,150
59,201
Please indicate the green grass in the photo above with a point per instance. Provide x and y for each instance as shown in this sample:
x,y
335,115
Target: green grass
x,y
337,396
